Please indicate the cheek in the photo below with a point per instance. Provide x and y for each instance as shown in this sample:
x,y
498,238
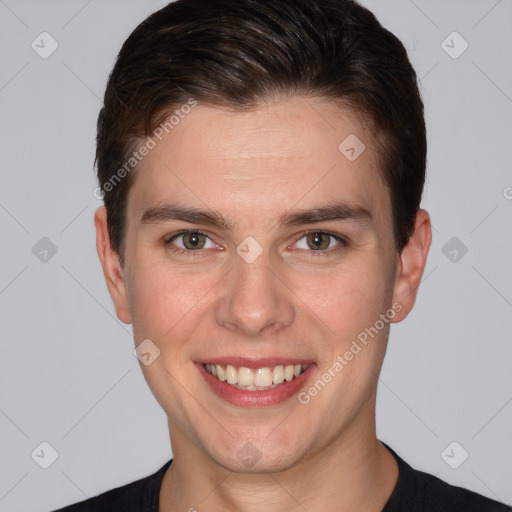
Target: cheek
x,y
164,302
348,298
349,301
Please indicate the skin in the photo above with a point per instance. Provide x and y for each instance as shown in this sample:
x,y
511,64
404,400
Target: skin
x,y
291,301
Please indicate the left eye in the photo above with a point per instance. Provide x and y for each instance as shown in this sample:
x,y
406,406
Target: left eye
x,y
318,241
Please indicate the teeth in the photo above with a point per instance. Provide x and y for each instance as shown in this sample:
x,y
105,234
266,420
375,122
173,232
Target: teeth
x,y
249,379
231,374
221,373
245,377
278,376
263,377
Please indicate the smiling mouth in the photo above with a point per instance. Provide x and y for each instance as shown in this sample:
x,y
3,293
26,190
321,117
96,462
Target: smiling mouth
x,y
259,379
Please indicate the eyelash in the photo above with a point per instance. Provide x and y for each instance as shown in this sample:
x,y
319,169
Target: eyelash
x,y
168,242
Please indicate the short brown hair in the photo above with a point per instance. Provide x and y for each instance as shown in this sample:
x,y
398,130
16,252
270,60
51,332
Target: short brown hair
x,y
237,54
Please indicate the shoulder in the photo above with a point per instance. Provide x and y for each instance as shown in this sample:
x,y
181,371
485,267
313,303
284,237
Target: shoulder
x,y
440,496
417,491
136,496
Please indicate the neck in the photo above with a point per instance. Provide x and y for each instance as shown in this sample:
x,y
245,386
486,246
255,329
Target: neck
x,y
353,472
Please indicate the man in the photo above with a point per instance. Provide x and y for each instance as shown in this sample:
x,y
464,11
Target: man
x,y
262,166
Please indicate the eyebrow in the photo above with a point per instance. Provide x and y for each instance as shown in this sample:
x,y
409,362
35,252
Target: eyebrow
x,y
330,212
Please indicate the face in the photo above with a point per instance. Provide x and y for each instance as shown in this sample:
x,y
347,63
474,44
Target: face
x,y
254,245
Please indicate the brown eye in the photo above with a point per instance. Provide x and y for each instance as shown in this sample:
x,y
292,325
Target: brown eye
x,y
190,243
321,241
318,240
193,240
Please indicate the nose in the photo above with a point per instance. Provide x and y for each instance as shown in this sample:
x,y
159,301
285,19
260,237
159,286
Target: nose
x,y
254,299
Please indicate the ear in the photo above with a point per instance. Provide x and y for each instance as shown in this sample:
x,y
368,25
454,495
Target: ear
x,y
411,265
111,266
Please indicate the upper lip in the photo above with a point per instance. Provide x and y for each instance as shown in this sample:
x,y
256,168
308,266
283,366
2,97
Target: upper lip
x,y
255,363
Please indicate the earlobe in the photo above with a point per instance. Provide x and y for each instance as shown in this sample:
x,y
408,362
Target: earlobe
x,y
112,270
411,265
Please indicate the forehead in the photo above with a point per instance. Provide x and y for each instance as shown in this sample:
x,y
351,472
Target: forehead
x,y
299,151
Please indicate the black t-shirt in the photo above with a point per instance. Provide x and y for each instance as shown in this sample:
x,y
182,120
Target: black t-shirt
x,y
414,491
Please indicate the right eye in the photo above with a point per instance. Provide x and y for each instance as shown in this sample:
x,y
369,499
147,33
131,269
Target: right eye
x,y
189,241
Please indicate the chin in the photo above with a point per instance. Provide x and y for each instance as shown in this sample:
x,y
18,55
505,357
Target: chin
x,y
252,457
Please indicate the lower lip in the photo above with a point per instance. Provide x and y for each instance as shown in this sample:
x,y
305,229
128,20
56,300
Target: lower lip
x,y
260,398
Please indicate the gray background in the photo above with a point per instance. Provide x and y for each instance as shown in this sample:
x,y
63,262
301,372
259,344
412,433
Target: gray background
x,y
68,375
